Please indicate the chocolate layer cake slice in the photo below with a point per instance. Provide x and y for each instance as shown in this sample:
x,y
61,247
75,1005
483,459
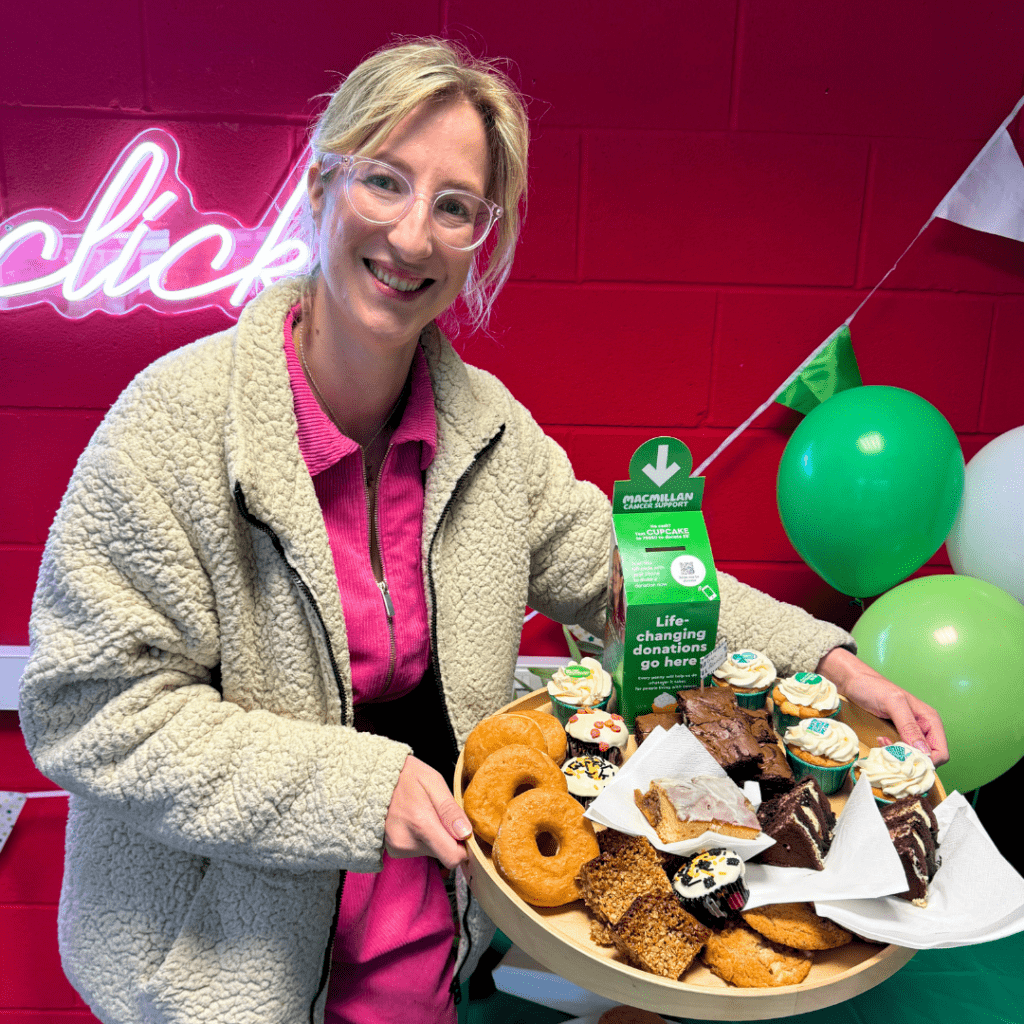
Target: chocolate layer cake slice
x,y
801,822
915,834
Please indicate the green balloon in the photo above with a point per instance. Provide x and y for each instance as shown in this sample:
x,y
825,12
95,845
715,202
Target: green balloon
x,y
869,486
958,644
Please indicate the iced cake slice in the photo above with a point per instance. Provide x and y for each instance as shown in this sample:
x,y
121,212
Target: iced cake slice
x,y
681,809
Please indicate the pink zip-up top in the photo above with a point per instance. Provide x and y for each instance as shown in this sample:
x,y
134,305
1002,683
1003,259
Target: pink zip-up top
x,y
395,929
389,653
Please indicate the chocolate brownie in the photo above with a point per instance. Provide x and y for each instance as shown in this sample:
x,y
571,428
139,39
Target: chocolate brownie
x,y
644,725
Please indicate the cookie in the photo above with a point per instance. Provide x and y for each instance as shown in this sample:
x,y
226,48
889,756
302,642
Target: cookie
x,y
743,958
796,925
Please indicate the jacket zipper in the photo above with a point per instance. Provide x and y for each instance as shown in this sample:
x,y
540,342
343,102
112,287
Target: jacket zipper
x,y
243,508
308,594
382,583
459,484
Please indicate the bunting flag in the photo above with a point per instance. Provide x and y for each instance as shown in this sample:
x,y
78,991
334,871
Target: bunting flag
x,y
10,807
989,196
832,370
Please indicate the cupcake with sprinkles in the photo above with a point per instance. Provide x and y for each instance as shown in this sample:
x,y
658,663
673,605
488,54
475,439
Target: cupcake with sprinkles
x,y
587,775
710,885
598,733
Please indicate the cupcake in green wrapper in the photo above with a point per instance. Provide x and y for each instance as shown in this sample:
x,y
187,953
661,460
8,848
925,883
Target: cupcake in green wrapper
x,y
802,696
896,771
749,674
824,749
582,684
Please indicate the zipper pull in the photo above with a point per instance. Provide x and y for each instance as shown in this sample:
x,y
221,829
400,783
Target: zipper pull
x,y
386,595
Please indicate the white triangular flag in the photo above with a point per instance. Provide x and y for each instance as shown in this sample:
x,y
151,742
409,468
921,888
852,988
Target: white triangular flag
x,y
989,195
10,807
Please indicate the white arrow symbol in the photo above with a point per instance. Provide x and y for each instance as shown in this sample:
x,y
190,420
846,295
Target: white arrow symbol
x,y
662,471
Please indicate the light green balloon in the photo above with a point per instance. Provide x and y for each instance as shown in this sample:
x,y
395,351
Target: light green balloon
x,y
958,644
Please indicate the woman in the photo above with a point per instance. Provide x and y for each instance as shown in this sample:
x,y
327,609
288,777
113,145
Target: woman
x,y
294,554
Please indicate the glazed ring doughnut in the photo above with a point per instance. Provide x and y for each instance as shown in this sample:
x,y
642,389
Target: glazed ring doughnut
x,y
544,881
496,732
499,777
554,732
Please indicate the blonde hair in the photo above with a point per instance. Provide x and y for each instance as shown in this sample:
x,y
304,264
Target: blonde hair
x,y
390,85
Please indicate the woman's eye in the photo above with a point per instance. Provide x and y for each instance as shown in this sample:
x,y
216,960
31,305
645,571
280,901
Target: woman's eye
x,y
453,208
383,182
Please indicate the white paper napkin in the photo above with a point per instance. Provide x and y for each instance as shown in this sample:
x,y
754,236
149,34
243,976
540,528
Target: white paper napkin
x,y
975,896
675,753
861,863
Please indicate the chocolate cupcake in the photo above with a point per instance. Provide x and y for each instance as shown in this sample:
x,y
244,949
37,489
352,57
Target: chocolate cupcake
x,y
587,775
599,733
710,885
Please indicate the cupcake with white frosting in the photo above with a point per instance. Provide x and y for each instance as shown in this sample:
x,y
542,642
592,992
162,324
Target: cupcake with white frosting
x,y
896,771
582,684
803,695
823,748
749,674
587,776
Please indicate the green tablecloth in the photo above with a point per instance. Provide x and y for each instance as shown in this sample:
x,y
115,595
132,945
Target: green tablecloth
x,y
972,985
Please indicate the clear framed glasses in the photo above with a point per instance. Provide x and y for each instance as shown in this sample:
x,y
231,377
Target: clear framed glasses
x,y
382,194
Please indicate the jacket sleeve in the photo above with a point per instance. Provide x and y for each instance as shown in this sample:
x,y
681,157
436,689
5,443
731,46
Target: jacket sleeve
x,y
792,638
569,533
570,550
120,705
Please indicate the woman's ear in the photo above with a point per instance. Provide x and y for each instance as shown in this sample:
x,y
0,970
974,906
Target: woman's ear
x,y
315,191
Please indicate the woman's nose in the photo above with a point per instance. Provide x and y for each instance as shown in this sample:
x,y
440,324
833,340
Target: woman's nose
x,y
411,235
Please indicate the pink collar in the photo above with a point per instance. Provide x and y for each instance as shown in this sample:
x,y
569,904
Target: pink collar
x,y
322,444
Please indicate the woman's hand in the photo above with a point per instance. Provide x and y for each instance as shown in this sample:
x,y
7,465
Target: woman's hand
x,y
918,724
423,818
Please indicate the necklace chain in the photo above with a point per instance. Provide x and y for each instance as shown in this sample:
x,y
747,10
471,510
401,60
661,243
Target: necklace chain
x,y
297,332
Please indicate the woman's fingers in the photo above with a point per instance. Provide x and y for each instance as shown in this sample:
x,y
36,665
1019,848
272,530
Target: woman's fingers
x,y
423,818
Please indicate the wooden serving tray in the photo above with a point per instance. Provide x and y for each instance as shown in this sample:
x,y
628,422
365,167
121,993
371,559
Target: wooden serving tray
x,y
559,937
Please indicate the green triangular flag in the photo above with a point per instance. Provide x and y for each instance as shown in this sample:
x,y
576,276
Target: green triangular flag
x,y
832,370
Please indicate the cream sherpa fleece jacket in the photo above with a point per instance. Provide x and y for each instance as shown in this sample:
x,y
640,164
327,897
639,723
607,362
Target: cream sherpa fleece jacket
x,y
189,679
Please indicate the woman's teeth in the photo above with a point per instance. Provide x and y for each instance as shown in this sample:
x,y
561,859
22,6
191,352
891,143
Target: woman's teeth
x,y
398,283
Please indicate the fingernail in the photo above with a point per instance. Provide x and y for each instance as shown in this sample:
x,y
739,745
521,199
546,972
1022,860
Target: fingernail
x,y
923,747
463,829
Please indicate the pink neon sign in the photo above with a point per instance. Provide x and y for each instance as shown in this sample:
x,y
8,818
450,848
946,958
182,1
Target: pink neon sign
x,y
143,242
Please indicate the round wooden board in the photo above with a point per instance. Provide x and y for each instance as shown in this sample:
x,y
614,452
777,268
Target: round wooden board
x,y
559,938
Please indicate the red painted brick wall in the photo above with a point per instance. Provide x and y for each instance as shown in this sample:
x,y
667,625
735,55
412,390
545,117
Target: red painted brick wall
x,y
787,151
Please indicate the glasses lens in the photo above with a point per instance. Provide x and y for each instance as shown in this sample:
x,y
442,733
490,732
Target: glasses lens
x,y
378,192
461,219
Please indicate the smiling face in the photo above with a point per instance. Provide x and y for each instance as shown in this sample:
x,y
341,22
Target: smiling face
x,y
381,284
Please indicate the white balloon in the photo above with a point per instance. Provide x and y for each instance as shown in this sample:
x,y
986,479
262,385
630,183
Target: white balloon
x,y
987,538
